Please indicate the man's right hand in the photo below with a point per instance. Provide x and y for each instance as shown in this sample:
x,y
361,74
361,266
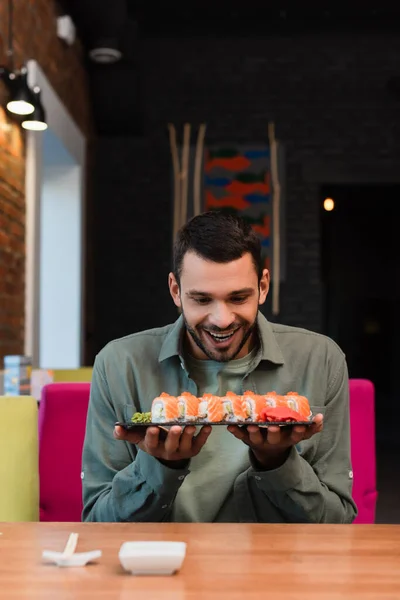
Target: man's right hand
x,y
179,444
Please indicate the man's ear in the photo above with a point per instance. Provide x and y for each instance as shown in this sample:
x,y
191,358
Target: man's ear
x,y
264,286
174,290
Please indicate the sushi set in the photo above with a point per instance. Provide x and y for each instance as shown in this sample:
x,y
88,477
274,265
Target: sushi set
x,y
263,410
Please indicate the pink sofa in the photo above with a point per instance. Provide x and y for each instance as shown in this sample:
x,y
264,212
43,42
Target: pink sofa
x,y
362,423
62,422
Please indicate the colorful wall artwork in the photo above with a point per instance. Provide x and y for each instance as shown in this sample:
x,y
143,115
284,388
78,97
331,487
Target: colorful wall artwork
x,y
237,179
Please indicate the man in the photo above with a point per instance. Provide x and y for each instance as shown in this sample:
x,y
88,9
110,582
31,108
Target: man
x,y
220,342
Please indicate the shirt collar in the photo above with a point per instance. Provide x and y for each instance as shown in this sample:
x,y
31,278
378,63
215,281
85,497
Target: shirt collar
x,y
172,343
270,351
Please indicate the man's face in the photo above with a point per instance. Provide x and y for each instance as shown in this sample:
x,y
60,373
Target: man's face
x,y
219,303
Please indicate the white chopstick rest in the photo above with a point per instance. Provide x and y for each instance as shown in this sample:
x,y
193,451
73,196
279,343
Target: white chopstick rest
x,y
68,557
70,546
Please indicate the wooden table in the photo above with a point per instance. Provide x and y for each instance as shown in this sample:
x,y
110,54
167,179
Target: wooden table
x,y
223,561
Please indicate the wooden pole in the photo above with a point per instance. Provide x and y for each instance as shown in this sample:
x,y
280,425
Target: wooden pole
x,y
197,170
177,179
185,174
276,242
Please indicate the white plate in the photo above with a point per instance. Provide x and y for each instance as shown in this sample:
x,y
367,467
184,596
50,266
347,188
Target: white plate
x,y
152,558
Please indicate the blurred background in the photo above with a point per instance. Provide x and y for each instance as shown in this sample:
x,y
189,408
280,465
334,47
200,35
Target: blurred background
x,y
87,204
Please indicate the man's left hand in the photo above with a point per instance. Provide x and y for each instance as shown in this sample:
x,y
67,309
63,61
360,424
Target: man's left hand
x,y
271,445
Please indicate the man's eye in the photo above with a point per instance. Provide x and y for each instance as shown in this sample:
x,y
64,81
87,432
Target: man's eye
x,y
239,299
202,300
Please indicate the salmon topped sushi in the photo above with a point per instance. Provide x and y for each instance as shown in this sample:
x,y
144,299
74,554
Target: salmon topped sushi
x,y
212,409
239,408
271,399
298,403
188,406
254,405
165,408
234,407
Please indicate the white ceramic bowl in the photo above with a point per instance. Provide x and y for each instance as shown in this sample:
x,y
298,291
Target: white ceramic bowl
x,y
152,558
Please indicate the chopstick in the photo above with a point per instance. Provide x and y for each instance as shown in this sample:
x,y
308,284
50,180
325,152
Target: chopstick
x,y
70,545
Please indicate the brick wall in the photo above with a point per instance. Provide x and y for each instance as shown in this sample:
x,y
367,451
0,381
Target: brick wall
x,y
34,37
327,95
12,231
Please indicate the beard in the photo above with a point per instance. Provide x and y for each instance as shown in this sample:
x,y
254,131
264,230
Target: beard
x,y
200,336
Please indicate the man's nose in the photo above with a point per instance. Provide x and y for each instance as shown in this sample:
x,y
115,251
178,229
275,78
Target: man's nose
x,y
222,317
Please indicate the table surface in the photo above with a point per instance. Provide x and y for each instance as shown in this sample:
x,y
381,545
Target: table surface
x,y
223,561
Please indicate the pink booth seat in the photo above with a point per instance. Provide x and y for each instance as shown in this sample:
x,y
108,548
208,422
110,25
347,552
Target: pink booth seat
x,y
62,422
362,424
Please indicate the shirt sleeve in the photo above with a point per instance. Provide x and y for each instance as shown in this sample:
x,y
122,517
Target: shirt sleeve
x,y
119,482
317,489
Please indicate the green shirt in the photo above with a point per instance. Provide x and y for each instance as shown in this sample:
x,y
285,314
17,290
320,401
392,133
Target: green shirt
x,y
122,483
223,457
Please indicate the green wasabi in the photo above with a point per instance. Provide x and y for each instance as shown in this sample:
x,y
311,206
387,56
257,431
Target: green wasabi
x,y
141,417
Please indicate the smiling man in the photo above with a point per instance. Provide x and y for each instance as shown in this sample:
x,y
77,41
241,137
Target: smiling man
x,y
221,317
221,342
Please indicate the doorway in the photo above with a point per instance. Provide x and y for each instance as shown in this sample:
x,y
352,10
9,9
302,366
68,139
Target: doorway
x,y
55,244
60,257
361,281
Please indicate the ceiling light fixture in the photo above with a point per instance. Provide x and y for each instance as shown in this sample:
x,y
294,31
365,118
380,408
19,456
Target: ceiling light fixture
x,y
21,100
36,121
105,52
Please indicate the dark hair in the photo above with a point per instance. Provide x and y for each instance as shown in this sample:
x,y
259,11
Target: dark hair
x,y
218,236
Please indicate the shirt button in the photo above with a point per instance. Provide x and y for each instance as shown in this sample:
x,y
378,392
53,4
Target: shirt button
x,y
82,475
181,477
164,506
257,477
351,474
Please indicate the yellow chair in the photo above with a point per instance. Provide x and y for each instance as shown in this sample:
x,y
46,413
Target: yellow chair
x,y
19,459
83,374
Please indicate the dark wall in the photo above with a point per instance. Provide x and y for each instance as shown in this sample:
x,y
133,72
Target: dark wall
x,y
327,95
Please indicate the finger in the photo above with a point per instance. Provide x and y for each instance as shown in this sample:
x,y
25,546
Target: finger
x,y
172,442
274,436
318,419
239,432
133,437
256,437
185,442
152,439
200,439
297,434
315,427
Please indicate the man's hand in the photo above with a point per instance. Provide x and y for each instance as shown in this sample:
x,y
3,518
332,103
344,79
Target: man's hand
x,y
173,449
271,446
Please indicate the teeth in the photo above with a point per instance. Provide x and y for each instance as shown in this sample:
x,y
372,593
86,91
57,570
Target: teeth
x,y
221,337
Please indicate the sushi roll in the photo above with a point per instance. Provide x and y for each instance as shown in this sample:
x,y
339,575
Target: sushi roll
x,y
271,399
212,409
254,405
165,408
298,403
236,405
188,406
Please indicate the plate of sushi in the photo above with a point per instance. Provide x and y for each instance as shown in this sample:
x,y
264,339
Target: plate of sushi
x,y
263,410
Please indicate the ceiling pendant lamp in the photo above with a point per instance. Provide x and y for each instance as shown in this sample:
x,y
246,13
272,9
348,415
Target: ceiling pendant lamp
x,y
36,121
21,101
